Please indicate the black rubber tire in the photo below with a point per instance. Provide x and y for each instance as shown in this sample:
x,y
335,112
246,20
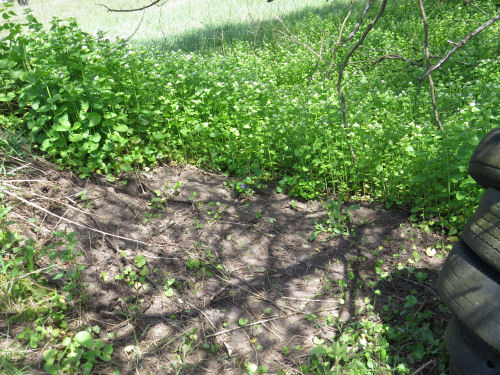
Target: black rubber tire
x,y
468,355
471,290
482,231
484,166
454,369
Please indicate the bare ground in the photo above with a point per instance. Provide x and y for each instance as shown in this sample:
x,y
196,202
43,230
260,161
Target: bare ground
x,y
246,281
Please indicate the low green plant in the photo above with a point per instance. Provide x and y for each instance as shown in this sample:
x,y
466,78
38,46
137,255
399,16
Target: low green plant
x,y
339,219
79,353
367,347
187,346
168,287
8,367
132,277
204,263
253,369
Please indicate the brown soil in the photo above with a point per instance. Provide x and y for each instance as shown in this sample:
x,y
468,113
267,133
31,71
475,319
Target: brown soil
x,y
232,258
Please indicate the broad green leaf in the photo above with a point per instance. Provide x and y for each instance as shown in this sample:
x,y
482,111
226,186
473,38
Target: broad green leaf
x,y
319,351
140,260
8,97
108,349
63,124
77,137
95,137
94,118
51,353
84,339
87,368
120,127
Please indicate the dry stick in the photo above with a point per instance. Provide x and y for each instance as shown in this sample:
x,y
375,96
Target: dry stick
x,y
47,198
137,28
7,181
294,39
265,321
460,44
428,64
332,61
358,24
5,191
341,74
248,325
131,10
394,57
417,371
469,2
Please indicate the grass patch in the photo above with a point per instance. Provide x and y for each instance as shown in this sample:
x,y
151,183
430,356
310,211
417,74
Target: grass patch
x,y
178,24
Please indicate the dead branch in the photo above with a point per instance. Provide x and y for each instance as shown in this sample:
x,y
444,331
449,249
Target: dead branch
x,y
332,60
294,39
460,45
341,75
319,58
136,29
40,208
469,2
428,64
153,3
395,57
360,21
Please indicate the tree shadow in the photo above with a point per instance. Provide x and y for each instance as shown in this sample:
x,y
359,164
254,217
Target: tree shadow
x,y
267,264
253,32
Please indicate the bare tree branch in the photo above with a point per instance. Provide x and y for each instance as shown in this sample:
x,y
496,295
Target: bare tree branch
x,y
428,64
137,28
341,75
319,58
395,57
332,60
360,21
459,45
294,39
153,3
469,2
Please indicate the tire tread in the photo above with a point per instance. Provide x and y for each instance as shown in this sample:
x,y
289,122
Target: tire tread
x,y
471,290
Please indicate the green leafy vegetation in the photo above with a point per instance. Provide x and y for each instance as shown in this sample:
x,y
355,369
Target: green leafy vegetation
x,y
28,271
104,107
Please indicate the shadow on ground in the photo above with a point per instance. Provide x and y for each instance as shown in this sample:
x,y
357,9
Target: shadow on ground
x,y
233,280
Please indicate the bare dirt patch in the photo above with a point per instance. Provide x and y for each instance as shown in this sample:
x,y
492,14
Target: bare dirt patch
x,y
230,280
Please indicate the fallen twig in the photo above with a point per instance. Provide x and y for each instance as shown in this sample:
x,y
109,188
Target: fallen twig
x,y
34,205
248,325
423,367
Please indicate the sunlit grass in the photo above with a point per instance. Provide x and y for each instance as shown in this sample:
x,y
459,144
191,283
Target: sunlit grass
x,y
169,22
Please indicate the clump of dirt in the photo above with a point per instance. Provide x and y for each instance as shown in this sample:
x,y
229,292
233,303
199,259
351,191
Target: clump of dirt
x,y
229,279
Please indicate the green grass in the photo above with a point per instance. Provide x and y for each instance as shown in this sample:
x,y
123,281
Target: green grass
x,y
174,22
